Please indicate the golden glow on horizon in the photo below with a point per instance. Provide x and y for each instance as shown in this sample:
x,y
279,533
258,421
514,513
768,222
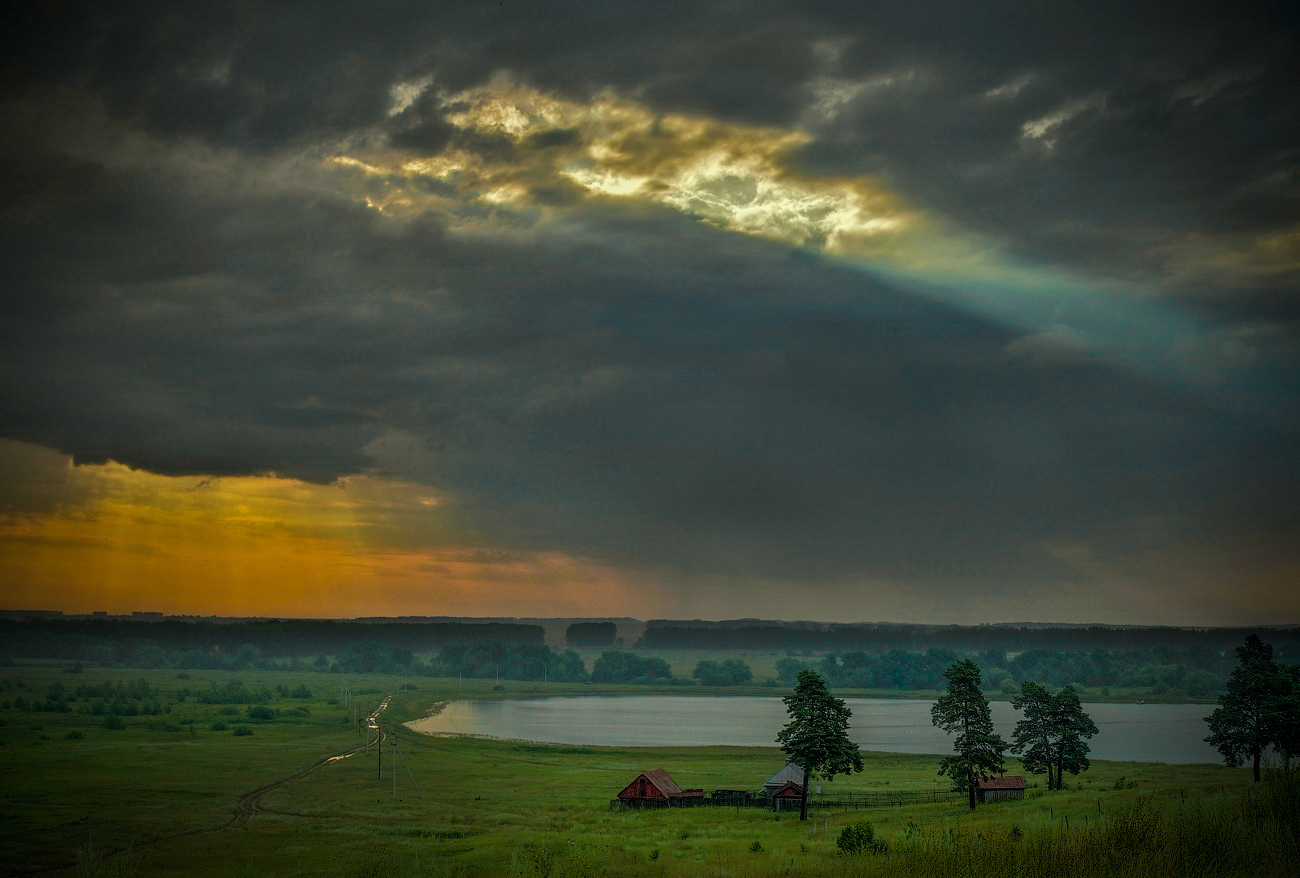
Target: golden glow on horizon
x,y
107,537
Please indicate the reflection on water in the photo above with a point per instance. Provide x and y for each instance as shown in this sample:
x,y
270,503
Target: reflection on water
x,y
1127,732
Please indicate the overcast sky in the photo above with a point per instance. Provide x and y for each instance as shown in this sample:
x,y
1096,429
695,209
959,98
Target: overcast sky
x,y
834,311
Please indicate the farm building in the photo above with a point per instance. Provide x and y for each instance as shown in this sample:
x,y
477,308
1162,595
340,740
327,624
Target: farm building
x,y
996,789
656,787
790,774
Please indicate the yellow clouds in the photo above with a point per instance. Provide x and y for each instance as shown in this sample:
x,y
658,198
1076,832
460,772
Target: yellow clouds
x,y
738,178
107,537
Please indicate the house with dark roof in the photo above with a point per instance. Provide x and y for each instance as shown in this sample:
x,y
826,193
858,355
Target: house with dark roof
x,y
656,787
997,789
790,774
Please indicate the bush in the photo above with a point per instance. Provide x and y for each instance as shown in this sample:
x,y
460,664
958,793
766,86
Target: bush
x,y
627,667
860,838
730,672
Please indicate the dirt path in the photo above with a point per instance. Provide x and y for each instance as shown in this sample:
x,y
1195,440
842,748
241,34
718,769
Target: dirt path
x,y
248,805
250,802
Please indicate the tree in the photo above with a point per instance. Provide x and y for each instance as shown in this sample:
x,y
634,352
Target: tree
x,y
1034,735
1051,735
591,634
1253,714
1072,727
964,711
628,667
816,738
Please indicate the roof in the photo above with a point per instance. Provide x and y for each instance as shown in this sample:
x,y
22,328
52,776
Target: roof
x,y
663,782
790,774
1006,782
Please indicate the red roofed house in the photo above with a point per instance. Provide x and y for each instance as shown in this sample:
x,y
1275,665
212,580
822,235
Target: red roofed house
x,y
656,787
996,789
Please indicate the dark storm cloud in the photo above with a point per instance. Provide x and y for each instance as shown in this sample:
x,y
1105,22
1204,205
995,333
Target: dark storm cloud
x,y
1178,135
637,387
637,408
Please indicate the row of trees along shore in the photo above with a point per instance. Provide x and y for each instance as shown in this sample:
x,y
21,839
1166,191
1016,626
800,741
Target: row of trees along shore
x,y
1261,710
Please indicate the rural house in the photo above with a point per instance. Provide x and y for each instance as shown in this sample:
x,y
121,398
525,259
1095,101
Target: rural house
x,y
656,787
996,789
790,774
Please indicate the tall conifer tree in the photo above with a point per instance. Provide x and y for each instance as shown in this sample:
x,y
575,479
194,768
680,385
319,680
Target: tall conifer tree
x,y
964,711
816,739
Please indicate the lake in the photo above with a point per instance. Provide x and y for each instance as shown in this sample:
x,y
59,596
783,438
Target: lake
x,y
1127,732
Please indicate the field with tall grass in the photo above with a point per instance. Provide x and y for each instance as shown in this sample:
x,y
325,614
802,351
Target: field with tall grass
x,y
153,785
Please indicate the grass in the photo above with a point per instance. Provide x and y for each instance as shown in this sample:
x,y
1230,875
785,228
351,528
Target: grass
x,y
152,797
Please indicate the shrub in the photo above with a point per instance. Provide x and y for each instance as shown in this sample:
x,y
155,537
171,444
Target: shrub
x,y
860,838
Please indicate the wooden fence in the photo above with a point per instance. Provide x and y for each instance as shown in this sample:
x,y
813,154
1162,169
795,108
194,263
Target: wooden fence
x,y
836,802
874,799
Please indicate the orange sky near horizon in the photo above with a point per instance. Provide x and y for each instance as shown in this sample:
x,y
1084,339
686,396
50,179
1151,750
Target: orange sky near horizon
x,y
105,537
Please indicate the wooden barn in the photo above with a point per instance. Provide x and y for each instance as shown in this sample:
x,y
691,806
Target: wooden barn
x,y
656,788
997,789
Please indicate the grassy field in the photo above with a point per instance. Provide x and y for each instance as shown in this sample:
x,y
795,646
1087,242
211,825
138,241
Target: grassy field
x,y
161,796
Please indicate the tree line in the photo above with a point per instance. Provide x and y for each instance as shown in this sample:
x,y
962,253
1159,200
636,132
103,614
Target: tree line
x,y
962,639
1196,671
107,642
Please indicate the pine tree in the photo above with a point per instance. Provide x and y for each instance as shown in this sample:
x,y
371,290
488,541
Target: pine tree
x,y
1034,734
1071,727
1253,714
816,738
964,711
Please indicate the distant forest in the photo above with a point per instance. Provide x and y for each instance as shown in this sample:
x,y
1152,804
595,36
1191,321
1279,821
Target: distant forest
x,y
1160,661
966,639
174,643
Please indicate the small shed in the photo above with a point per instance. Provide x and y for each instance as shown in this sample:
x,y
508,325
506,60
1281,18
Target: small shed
x,y
790,774
997,789
656,786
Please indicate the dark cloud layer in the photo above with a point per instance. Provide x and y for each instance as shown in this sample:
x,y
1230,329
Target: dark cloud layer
x,y
635,386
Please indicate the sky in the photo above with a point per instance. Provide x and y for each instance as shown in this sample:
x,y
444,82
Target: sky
x,y
947,313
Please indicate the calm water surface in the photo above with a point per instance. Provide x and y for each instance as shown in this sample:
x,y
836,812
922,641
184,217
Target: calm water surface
x,y
1127,732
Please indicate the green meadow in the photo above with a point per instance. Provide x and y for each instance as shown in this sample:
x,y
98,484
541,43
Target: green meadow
x,y
85,790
